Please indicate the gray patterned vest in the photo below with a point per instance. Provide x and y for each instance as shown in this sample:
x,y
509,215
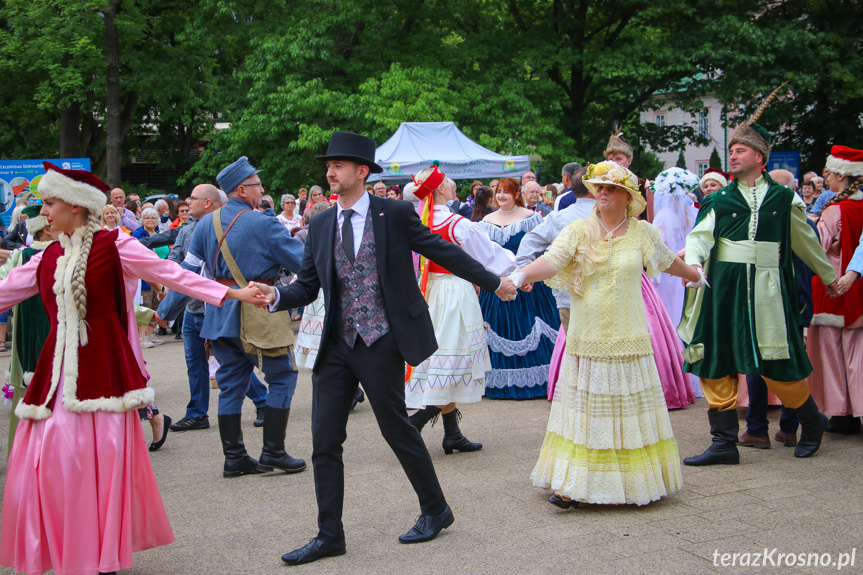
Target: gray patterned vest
x,y
361,301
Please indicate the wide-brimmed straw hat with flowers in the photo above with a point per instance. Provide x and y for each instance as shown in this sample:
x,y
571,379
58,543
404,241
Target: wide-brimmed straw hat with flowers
x,y
610,173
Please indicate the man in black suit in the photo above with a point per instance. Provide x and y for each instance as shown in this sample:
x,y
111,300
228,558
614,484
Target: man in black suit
x,y
376,320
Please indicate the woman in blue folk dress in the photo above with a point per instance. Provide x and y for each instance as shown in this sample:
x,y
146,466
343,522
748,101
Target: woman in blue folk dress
x,y
521,333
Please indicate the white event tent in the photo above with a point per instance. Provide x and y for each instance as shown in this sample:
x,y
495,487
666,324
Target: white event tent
x,y
418,145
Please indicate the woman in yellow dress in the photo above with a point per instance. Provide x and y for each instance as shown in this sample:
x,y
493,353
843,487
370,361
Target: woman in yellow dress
x,y
609,437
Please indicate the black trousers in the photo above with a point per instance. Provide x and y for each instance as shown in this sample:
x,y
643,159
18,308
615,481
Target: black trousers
x,y
334,383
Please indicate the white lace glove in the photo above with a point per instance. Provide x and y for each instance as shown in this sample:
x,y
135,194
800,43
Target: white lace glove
x,y
700,283
517,278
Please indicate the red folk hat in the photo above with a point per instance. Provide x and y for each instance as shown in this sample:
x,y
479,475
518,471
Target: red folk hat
x,y
75,187
430,184
844,161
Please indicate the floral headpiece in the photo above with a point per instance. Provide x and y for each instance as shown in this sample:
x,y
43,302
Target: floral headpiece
x,y
675,180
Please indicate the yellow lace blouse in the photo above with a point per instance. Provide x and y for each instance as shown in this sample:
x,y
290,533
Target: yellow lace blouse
x,y
608,320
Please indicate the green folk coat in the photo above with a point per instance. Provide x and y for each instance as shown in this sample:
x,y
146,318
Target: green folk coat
x,y
724,314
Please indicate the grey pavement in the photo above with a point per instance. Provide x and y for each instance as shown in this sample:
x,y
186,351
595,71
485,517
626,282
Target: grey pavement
x,y
502,523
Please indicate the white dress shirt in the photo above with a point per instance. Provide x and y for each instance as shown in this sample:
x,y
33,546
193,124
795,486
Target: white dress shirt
x,y
536,241
358,220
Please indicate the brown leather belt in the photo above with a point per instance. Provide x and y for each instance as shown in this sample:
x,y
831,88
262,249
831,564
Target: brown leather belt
x,y
231,283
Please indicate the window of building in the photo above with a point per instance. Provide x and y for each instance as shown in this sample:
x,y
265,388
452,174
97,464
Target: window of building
x,y
659,118
704,123
702,167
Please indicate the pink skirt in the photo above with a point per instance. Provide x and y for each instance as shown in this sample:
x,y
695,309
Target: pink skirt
x,y
667,349
80,495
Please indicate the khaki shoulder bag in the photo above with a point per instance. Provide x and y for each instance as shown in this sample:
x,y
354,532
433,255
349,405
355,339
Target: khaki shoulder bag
x,y
262,333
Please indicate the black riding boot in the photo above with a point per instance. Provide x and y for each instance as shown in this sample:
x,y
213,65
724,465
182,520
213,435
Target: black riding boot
x,y
423,416
452,437
274,454
259,416
723,427
237,461
812,423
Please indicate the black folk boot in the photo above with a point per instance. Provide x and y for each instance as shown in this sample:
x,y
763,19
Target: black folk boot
x,y
423,416
274,454
812,424
237,461
452,436
723,427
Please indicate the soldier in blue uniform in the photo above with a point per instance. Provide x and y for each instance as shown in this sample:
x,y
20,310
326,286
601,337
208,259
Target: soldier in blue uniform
x,y
260,245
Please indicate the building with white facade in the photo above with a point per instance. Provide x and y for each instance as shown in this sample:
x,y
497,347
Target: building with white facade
x,y
707,123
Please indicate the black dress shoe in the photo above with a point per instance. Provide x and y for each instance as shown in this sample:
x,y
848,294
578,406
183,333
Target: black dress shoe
x,y
559,501
428,527
844,424
359,397
190,423
315,549
156,445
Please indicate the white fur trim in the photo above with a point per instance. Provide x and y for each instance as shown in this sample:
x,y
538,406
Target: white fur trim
x,y
718,178
41,245
838,166
26,411
130,400
828,320
36,224
55,185
27,378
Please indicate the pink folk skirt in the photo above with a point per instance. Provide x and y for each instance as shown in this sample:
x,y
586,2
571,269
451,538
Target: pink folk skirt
x,y
80,495
667,349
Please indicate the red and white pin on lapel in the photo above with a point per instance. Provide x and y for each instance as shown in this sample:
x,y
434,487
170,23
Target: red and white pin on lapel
x,y
380,215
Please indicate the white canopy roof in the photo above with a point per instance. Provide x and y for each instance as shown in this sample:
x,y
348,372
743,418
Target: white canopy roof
x,y
418,145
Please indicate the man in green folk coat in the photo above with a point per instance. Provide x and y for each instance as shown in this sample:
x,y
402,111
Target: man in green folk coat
x,y
747,322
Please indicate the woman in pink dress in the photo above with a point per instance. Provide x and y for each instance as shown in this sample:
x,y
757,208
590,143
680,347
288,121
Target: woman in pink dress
x,y
835,342
80,494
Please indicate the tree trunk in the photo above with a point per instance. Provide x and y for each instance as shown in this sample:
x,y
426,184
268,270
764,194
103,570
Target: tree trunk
x,y
114,143
70,131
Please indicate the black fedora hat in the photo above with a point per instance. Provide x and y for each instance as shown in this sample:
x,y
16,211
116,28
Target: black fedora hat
x,y
354,147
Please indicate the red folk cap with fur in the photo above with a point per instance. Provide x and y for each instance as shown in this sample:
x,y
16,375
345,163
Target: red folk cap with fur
x,y
845,161
75,187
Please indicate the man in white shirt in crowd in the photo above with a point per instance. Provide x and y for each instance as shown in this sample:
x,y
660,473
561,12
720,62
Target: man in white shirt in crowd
x,y
536,242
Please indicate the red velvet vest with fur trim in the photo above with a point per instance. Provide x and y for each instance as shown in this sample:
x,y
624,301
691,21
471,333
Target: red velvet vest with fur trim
x,y
102,375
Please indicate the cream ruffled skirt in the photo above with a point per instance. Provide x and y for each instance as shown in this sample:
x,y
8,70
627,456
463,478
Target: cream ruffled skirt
x,y
609,437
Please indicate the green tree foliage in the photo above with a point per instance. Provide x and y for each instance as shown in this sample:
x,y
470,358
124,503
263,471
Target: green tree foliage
x,y
546,77
681,160
715,160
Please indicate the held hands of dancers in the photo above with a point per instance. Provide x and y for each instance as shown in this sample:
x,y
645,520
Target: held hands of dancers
x,y
265,294
835,290
700,282
250,294
844,283
507,290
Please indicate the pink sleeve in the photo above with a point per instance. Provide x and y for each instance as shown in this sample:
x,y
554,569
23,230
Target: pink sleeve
x,y
20,284
141,262
830,229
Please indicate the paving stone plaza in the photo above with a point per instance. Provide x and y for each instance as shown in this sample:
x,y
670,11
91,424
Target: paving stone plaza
x,y
502,523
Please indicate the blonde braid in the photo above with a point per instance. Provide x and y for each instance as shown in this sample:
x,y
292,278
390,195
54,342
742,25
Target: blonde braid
x,y
852,189
79,287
